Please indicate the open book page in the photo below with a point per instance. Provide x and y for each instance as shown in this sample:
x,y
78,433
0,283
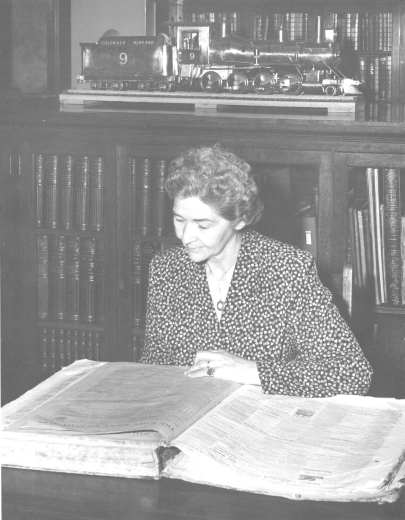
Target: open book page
x,y
201,470
325,444
47,390
128,397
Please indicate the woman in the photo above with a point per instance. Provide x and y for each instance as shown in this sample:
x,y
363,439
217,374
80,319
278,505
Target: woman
x,y
233,304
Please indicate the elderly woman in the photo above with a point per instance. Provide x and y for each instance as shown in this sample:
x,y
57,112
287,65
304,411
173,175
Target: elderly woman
x,y
233,304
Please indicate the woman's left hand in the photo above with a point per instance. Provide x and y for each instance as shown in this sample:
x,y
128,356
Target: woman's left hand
x,y
222,364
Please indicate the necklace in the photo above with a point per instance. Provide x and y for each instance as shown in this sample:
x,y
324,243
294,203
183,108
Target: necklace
x,y
220,302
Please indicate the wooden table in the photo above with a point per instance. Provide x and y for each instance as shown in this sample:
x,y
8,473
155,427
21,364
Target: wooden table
x,y
40,495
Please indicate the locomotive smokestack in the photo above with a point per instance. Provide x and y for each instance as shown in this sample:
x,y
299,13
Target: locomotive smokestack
x,y
319,29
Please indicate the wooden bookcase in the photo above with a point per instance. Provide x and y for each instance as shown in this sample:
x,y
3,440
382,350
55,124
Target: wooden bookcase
x,y
318,153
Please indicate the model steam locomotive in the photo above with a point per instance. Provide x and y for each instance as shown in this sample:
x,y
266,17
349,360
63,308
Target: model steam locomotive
x,y
199,58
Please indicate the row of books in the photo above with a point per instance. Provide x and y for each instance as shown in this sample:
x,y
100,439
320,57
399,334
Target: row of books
x,y
363,31
378,111
377,237
151,208
60,347
293,27
69,192
374,72
70,278
232,18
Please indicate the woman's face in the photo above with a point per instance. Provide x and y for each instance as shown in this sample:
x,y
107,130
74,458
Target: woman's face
x,y
205,234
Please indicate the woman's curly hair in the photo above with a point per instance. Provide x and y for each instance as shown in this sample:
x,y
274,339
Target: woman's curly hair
x,y
219,179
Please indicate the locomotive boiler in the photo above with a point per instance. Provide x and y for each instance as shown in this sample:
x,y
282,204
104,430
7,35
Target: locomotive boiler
x,y
199,58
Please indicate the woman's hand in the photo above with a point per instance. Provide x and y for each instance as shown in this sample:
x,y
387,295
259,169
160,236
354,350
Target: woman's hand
x,y
222,364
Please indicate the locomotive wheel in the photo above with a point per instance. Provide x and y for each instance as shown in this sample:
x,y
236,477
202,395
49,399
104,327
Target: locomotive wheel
x,y
95,85
264,83
331,90
237,83
293,85
166,87
142,86
211,82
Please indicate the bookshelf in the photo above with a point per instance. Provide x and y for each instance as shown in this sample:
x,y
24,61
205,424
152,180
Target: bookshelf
x,y
370,34
299,162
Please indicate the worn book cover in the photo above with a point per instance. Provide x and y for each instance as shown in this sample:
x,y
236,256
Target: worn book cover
x,y
148,421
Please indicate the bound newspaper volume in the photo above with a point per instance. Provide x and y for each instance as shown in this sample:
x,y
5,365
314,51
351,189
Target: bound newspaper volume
x,y
149,421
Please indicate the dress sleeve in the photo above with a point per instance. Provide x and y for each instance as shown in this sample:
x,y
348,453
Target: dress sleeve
x,y
155,350
321,355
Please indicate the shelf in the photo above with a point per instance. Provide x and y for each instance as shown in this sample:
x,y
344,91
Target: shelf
x,y
389,309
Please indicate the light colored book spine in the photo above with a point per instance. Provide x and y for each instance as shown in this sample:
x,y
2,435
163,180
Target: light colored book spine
x,y
370,188
403,259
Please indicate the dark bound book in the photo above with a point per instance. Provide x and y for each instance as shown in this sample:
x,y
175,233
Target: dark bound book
x,y
159,198
392,235
96,182
73,278
87,281
66,192
82,194
57,286
136,284
51,192
42,276
39,188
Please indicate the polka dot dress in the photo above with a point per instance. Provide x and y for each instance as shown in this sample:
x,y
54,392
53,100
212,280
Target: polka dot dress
x,y
276,312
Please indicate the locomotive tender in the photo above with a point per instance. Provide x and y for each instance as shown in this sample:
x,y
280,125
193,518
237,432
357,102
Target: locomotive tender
x,y
198,58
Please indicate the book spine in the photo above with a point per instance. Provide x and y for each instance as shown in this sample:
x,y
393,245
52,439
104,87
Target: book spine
x,y
379,234
403,259
58,278
373,229
392,236
87,277
66,192
42,276
52,350
39,189
99,289
43,350
68,347
89,345
75,345
384,268
51,192
60,348
368,247
134,186
159,198
96,181
96,346
136,284
353,247
148,250
362,248
144,197
81,354
82,193
73,278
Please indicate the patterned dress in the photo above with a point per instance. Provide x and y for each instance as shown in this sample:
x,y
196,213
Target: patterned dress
x,y
277,312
